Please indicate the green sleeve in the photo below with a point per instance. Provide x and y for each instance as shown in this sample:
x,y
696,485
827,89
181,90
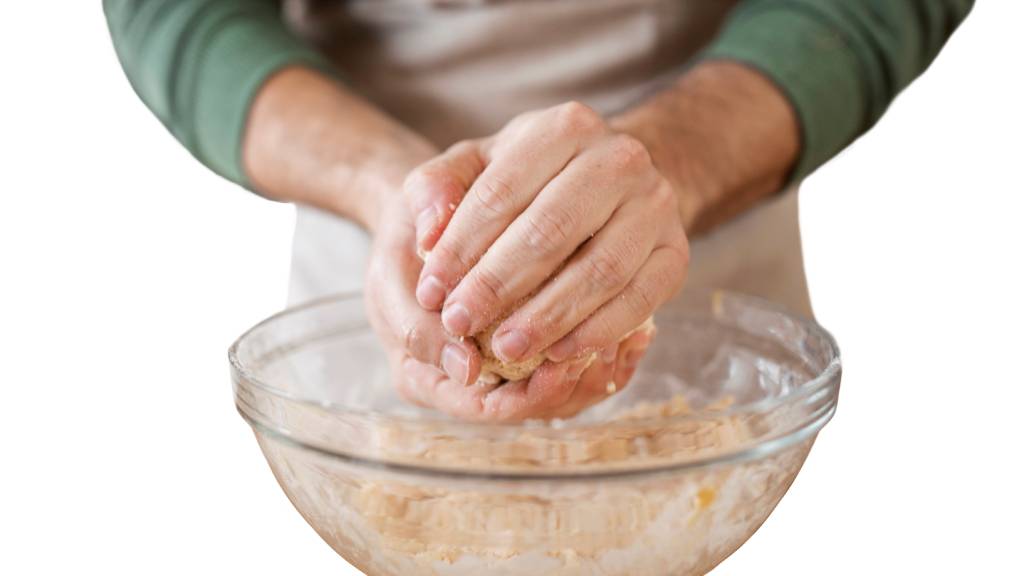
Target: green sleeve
x,y
840,62
198,63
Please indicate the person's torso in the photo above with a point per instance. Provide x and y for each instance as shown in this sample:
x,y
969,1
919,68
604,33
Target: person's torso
x,y
457,69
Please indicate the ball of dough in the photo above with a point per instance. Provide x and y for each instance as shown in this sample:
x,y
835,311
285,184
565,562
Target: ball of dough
x,y
494,370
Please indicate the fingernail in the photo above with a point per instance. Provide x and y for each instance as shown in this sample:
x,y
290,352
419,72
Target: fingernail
x,y
511,345
576,368
455,363
633,358
430,293
456,319
561,350
608,353
425,222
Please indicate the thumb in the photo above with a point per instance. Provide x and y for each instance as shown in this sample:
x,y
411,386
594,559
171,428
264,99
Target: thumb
x,y
435,188
418,333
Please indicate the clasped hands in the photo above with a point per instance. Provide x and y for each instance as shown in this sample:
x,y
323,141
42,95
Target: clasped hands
x,y
558,226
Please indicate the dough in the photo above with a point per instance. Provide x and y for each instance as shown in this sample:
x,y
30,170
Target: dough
x,y
494,369
681,522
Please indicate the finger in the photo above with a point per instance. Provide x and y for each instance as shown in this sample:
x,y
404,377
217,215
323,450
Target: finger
x,y
631,351
598,272
520,165
656,281
591,388
604,378
424,339
577,203
547,388
435,188
418,331
429,387
404,381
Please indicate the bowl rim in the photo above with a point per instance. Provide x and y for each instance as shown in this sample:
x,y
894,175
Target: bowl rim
x,y
825,379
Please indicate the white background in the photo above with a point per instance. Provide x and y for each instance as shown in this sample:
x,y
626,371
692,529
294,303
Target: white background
x,y
128,269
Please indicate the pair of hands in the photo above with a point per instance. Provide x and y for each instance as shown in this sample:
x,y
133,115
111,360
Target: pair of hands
x,y
558,226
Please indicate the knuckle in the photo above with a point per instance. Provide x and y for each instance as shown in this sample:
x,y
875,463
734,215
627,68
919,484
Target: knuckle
x,y
666,281
429,180
601,332
633,242
548,230
418,179
665,278
664,197
628,152
520,120
668,278
494,194
682,248
489,287
448,257
606,270
414,337
577,118
470,155
640,298
549,321
462,147
678,245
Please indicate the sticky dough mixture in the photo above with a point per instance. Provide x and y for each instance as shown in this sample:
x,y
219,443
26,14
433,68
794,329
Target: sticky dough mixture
x,y
386,524
495,370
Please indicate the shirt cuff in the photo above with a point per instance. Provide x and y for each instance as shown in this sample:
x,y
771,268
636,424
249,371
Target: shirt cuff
x,y
239,56
811,63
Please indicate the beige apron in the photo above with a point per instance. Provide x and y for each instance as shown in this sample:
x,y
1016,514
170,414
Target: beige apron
x,y
456,69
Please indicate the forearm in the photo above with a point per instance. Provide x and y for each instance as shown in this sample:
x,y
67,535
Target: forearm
x,y
197,63
723,134
807,77
310,140
258,106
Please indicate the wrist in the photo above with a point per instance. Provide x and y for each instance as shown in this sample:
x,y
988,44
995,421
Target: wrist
x,y
311,141
723,134
678,160
379,181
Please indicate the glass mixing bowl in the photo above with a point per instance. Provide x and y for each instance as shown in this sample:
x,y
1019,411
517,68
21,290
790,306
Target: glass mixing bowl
x,y
666,477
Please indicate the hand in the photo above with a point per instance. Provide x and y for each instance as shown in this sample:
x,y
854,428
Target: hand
x,y
406,329
418,345
611,371
555,191
554,391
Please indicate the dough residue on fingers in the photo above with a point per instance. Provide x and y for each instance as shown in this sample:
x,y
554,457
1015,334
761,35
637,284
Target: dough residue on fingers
x,y
493,370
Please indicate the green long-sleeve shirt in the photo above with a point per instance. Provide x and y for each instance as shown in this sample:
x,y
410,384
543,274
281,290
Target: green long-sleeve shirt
x,y
198,63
